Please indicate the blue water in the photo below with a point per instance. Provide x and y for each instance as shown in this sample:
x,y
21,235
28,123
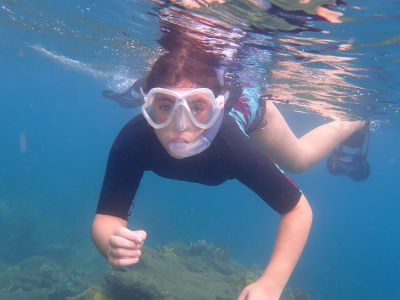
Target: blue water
x,y
56,131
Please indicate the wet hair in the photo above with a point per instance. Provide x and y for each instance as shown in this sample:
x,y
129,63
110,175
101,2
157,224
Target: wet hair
x,y
184,63
178,69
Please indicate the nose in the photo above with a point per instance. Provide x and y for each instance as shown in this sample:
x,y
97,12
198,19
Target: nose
x,y
181,119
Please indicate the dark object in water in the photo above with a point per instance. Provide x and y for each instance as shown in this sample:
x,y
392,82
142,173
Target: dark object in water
x,y
131,98
349,158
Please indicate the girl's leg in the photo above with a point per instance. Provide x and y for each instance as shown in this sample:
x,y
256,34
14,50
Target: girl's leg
x,y
298,154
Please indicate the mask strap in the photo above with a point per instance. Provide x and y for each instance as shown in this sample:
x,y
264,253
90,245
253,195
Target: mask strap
x,y
220,74
211,132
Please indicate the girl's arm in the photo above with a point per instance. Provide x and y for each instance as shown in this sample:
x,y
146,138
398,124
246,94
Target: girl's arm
x,y
292,236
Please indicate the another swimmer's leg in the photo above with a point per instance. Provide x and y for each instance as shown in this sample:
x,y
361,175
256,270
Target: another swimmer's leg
x,y
320,141
298,154
278,140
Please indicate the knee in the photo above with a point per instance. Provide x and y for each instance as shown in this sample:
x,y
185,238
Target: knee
x,y
298,166
301,161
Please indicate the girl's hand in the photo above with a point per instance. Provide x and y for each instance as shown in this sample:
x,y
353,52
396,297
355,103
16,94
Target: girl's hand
x,y
124,246
258,291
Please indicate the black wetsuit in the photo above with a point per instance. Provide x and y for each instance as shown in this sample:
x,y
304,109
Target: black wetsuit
x,y
231,155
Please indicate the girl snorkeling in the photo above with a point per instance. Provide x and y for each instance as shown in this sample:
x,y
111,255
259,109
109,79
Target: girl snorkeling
x,y
197,126
184,133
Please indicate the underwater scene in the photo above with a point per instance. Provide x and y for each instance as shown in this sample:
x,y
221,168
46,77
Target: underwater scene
x,y
122,176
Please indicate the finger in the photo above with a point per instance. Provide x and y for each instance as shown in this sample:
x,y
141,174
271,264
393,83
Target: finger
x,y
122,262
123,253
120,242
143,234
134,236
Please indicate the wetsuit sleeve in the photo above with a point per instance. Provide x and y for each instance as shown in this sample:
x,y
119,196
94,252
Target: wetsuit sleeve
x,y
123,174
257,171
268,182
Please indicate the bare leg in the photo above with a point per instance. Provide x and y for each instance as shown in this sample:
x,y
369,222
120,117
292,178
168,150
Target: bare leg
x,y
298,154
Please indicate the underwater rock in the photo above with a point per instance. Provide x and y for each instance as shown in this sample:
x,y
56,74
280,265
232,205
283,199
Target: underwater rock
x,y
295,294
248,277
18,224
165,274
207,249
96,292
22,295
39,277
197,272
169,272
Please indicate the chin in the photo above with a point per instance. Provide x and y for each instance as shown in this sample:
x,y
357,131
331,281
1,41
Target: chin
x,y
173,154
165,145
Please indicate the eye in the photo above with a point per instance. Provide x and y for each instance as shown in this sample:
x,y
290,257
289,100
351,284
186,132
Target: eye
x,y
165,107
197,109
164,104
198,106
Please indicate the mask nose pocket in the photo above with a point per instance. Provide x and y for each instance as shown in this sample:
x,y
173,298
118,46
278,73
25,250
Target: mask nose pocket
x,y
181,118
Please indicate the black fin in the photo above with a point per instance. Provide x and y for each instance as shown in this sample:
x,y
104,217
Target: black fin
x,y
131,98
357,139
352,161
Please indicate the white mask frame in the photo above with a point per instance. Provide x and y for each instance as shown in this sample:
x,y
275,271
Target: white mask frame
x,y
182,104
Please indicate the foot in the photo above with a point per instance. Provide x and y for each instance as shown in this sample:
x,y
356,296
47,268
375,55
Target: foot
x,y
350,158
131,98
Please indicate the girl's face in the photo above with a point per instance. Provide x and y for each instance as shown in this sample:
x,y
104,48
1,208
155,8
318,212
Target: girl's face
x,y
174,132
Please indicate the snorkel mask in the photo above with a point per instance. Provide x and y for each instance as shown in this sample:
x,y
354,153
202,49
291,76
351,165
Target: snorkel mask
x,y
198,106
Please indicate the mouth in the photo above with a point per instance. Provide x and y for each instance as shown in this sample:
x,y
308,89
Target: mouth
x,y
179,141
179,144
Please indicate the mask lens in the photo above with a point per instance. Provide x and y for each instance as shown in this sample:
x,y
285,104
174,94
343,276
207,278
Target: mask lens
x,y
161,107
201,106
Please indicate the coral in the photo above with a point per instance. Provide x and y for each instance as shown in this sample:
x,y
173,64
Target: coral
x,y
202,248
172,272
295,294
100,296
248,277
41,275
93,293
47,271
165,277
301,295
14,268
169,251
